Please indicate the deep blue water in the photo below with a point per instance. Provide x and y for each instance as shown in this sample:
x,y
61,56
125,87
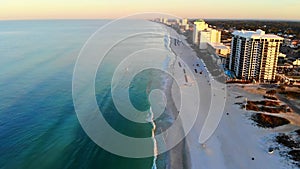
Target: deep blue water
x,y
39,128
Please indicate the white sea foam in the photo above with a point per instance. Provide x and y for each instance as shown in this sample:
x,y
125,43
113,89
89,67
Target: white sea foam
x,y
153,137
167,64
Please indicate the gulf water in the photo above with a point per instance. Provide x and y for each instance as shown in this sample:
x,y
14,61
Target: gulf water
x,y
39,128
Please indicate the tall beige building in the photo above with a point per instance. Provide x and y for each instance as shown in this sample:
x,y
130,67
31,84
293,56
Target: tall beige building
x,y
209,36
164,20
184,23
199,25
203,35
254,55
215,36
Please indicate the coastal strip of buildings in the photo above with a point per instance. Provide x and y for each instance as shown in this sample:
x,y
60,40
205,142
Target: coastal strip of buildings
x,y
254,55
251,56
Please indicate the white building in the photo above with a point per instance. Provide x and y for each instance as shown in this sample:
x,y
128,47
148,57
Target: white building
x,y
203,35
164,20
282,55
199,25
184,23
219,48
254,55
296,62
209,36
204,38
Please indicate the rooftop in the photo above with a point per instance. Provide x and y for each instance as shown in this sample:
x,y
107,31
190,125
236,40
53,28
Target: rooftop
x,y
199,20
218,46
258,34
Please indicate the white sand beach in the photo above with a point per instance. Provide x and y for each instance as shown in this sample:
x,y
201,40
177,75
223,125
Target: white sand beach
x,y
236,143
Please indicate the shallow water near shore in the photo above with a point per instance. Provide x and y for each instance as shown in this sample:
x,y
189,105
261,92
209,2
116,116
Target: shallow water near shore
x,y
38,124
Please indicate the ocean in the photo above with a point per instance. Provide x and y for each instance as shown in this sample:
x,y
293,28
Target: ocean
x,y
39,128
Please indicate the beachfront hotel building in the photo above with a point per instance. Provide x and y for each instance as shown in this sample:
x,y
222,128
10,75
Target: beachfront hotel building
x,y
202,34
220,50
184,23
254,55
199,25
164,20
209,35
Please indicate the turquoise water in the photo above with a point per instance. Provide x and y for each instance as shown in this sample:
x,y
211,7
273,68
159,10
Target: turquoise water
x,y
39,128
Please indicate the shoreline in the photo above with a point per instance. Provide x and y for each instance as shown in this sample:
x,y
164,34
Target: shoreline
x,y
186,62
189,154
178,155
237,142
181,160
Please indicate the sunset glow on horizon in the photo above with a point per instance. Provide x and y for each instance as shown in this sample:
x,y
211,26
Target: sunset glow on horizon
x,y
107,9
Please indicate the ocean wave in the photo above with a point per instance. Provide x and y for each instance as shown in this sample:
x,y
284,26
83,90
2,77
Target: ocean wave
x,y
167,82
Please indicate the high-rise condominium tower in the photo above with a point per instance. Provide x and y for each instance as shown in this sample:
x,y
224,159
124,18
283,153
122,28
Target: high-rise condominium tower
x,y
254,55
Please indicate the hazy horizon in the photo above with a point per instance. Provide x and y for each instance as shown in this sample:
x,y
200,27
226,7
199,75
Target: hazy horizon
x,y
93,9
87,19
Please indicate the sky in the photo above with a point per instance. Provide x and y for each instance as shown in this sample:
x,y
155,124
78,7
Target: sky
x,y
100,9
